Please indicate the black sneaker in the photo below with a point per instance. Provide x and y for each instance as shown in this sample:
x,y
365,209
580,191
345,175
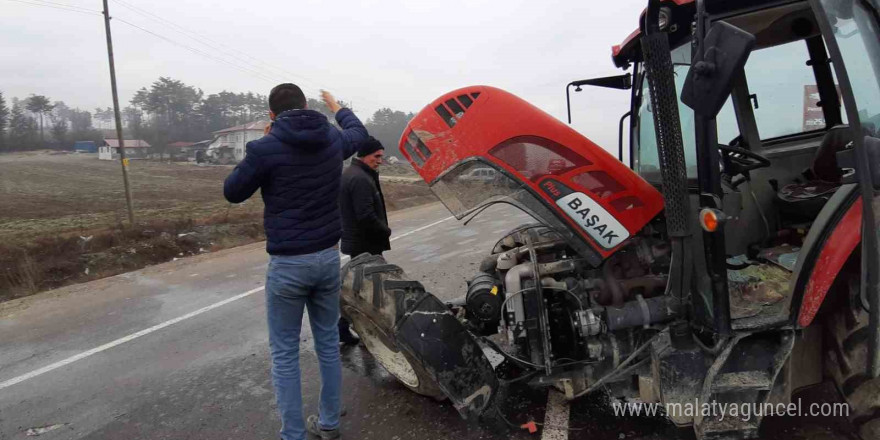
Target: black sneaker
x,y
314,428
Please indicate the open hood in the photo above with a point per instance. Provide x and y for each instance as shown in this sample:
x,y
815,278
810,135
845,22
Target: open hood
x,y
480,145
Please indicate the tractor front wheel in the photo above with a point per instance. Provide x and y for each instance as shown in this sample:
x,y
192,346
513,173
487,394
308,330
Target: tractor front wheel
x,y
415,337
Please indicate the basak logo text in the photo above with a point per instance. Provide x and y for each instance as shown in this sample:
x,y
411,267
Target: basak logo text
x,y
598,223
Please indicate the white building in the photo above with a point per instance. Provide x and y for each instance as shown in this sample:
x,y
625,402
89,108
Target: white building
x,y
229,143
134,149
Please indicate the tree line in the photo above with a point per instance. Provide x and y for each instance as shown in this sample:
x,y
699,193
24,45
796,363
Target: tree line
x,y
165,112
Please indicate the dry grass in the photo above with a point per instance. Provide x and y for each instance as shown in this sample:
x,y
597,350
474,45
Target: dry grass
x,y
63,217
43,193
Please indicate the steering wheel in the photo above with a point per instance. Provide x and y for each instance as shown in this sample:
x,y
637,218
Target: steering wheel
x,y
740,161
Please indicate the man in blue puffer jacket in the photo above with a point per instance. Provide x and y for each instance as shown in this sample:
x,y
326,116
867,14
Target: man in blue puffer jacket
x,y
298,167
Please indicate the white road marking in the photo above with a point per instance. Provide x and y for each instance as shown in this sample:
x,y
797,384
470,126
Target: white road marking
x,y
556,417
157,327
123,340
421,228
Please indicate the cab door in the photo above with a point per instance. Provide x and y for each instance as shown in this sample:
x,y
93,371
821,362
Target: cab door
x,y
850,29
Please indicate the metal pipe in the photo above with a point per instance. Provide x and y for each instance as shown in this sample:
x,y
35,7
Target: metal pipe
x,y
553,284
612,284
670,150
509,258
568,101
513,284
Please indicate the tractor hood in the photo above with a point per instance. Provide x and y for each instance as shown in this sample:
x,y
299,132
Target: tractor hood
x,y
480,145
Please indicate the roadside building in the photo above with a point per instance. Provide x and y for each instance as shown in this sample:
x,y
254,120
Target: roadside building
x,y
188,151
134,149
228,145
85,147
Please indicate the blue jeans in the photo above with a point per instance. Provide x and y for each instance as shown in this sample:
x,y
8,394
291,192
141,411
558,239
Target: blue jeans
x,y
295,282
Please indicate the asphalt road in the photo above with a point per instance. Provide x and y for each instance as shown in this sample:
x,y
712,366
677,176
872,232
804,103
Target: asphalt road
x,y
179,351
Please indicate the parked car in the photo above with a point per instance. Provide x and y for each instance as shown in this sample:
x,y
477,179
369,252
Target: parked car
x,y
483,175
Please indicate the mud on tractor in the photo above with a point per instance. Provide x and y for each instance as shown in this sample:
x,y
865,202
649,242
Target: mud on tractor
x,y
734,259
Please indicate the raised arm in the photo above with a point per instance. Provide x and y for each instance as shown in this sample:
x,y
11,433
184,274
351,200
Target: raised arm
x,y
353,131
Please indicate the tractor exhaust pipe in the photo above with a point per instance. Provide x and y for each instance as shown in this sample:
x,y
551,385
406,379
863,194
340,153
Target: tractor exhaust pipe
x,y
670,151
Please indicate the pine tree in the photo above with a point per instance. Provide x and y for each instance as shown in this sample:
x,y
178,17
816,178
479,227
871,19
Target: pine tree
x,y
39,105
4,119
20,129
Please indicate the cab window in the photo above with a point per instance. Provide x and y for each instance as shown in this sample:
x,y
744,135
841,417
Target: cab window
x,y
783,94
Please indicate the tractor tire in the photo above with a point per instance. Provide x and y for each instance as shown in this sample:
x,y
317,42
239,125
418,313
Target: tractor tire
x,y
847,347
376,326
415,337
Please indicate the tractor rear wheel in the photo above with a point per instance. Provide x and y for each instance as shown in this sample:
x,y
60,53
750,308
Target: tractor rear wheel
x,y
847,346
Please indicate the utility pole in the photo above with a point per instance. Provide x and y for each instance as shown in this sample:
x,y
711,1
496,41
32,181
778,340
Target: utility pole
x,y
120,138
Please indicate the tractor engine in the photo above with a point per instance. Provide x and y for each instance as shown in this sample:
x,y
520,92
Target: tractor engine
x,y
582,306
557,291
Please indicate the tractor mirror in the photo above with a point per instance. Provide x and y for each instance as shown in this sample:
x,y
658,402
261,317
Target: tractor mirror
x,y
723,53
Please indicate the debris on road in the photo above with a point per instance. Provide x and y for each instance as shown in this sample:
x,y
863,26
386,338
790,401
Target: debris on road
x,y
34,432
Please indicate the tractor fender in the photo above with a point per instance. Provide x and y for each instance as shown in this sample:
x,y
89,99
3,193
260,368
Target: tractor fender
x,y
834,236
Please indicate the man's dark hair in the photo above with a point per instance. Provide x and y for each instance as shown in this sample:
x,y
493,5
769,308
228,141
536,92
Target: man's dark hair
x,y
286,96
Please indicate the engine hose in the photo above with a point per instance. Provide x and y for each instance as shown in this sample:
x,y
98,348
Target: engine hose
x,y
711,350
640,313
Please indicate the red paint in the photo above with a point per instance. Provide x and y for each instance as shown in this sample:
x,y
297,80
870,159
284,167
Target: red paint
x,y
836,250
615,50
496,117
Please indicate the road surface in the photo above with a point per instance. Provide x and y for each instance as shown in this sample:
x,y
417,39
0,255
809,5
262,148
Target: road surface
x,y
179,351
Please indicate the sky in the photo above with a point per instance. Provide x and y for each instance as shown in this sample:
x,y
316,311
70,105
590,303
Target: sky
x,y
390,53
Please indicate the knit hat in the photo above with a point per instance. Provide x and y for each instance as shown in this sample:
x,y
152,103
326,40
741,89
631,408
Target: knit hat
x,y
370,146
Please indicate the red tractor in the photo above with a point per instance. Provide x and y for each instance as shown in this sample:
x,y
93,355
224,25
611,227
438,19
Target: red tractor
x,y
735,260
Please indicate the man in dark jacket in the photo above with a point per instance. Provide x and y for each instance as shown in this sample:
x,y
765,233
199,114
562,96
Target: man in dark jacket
x,y
297,167
364,222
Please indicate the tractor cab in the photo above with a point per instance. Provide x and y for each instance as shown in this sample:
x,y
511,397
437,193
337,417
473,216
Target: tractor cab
x,y
777,158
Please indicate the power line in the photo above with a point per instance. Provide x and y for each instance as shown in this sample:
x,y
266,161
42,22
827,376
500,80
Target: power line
x,y
251,67
271,78
58,6
72,8
258,74
214,44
